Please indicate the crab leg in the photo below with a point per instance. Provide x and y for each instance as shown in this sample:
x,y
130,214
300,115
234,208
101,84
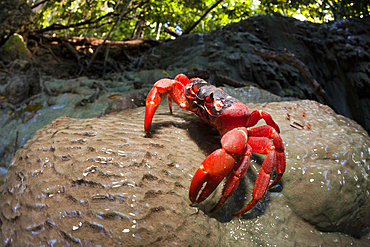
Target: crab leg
x,y
270,132
257,115
175,90
261,145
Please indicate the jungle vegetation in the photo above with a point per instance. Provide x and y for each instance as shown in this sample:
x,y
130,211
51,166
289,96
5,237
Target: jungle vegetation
x,y
120,19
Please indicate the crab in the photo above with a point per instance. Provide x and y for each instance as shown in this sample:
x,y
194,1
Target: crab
x,y
231,118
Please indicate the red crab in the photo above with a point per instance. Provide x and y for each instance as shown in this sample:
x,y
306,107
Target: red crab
x,y
231,118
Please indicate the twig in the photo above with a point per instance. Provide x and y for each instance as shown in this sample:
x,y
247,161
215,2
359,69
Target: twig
x,y
38,4
110,31
74,52
54,27
15,143
110,43
172,32
52,53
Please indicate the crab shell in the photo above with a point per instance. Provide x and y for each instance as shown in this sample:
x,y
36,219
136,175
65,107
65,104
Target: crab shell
x,y
216,107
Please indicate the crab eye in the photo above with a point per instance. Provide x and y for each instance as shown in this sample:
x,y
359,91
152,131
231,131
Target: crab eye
x,y
209,98
195,88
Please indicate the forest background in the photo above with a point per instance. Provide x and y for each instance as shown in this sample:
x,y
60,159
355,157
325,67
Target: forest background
x,y
119,19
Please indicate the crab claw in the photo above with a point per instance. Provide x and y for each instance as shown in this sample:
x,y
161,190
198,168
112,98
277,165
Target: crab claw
x,y
216,166
212,171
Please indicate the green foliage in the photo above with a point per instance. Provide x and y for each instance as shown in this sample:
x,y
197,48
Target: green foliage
x,y
317,10
149,18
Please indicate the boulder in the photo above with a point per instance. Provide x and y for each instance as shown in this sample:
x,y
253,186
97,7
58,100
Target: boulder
x,y
17,89
99,181
15,49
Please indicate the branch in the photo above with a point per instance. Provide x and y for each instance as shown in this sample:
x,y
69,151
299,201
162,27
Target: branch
x,y
172,32
138,6
38,4
109,45
73,50
188,30
54,27
110,31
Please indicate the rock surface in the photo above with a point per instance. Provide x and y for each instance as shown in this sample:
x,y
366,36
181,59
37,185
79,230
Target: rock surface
x,y
99,181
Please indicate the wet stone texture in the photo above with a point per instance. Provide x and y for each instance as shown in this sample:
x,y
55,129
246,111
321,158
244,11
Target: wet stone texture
x,y
99,181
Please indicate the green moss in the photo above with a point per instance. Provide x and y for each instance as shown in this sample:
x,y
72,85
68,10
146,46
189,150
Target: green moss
x,y
14,48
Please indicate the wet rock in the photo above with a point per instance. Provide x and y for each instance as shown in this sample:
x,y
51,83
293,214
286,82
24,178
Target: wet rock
x,y
17,89
20,65
33,77
328,163
99,181
327,181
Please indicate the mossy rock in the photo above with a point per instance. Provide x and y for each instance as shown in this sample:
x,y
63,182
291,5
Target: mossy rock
x,y
14,48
